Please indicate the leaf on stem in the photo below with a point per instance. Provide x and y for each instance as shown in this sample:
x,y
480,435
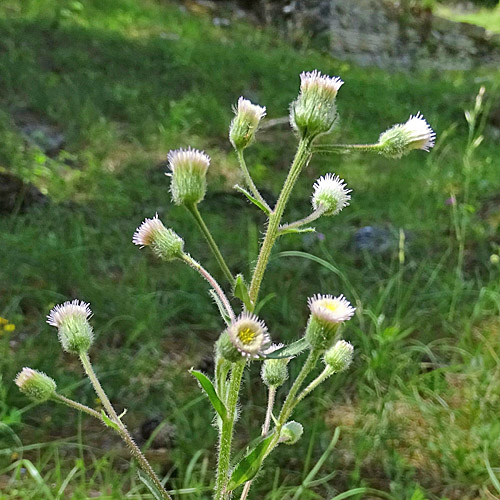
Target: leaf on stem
x,y
241,292
150,485
250,465
107,421
289,350
252,198
210,391
296,230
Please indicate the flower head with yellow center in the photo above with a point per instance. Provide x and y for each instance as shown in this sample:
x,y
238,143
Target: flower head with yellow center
x,y
249,335
327,314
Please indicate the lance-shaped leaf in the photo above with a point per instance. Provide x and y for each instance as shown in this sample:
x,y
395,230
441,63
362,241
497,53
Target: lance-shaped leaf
x,y
250,465
252,198
150,485
289,350
210,391
241,292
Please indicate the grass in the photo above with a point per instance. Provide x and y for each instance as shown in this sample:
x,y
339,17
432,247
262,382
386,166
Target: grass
x,y
488,18
126,81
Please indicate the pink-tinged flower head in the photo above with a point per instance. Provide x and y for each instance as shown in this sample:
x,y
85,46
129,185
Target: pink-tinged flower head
x,y
165,243
36,385
74,330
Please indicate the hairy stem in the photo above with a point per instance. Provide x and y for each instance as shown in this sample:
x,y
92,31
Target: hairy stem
x,y
213,283
249,181
265,429
226,434
345,148
327,372
193,209
59,398
306,220
121,428
302,157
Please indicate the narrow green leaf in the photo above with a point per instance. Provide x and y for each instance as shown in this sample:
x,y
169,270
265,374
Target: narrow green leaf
x,y
209,389
151,486
250,465
289,350
241,292
220,306
252,198
296,230
109,422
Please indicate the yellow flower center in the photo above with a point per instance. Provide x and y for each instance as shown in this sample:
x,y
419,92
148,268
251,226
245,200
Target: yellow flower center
x,y
331,305
247,335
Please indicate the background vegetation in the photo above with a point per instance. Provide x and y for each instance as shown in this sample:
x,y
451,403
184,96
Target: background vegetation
x,y
124,81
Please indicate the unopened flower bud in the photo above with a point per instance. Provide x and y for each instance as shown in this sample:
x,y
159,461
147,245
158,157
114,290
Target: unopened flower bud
x,y
74,330
339,357
291,432
226,350
249,335
36,385
314,111
165,243
327,314
189,171
245,123
331,193
400,139
274,372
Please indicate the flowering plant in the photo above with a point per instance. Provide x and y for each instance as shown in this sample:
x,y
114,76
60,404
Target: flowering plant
x,y
245,338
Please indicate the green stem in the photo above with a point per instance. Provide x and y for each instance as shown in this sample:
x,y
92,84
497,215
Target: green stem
x,y
306,220
249,181
327,372
302,157
345,148
121,428
291,401
59,398
212,282
265,429
193,209
226,434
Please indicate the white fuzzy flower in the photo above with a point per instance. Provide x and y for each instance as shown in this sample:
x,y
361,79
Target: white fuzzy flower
x,y
420,133
69,311
249,335
330,309
330,192
314,81
245,123
145,234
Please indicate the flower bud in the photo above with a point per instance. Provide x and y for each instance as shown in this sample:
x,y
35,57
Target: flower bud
x,y
226,350
330,192
165,243
291,432
314,111
36,385
327,314
245,123
74,330
274,372
249,335
416,133
189,171
339,357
